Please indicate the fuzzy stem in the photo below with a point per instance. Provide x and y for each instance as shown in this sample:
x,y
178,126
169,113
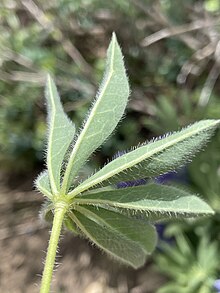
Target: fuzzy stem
x,y
59,214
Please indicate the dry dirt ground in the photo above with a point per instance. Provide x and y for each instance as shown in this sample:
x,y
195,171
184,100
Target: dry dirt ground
x,y
81,268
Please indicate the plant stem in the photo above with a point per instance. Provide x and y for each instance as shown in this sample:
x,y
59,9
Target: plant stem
x,y
59,214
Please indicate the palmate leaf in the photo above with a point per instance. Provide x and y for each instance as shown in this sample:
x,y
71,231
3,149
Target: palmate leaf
x,y
154,158
127,240
105,114
107,216
60,135
151,198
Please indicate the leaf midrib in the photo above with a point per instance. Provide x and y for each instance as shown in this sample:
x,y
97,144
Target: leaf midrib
x,y
97,202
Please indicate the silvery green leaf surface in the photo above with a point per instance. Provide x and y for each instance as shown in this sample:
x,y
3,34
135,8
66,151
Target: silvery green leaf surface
x,y
127,240
151,198
43,184
155,158
60,135
105,113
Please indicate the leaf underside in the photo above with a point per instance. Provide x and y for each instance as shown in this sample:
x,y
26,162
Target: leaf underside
x,y
60,136
155,158
147,199
43,184
105,114
127,240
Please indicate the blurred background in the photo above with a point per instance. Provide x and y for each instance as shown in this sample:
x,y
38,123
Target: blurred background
x,y
172,56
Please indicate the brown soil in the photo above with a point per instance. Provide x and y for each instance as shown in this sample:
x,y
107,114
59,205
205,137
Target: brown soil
x,y
82,268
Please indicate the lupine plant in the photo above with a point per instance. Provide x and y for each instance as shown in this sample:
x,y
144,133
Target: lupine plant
x,y
117,220
189,270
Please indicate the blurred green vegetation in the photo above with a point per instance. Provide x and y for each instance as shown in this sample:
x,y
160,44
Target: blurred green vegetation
x,y
171,53
192,268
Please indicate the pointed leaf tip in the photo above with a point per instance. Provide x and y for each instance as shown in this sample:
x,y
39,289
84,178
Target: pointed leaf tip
x,y
49,78
114,38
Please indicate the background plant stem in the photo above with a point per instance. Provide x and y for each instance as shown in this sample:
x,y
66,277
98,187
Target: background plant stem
x,y
59,214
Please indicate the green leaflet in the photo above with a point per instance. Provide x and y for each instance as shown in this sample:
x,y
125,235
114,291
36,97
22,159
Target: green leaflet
x,y
105,114
127,240
43,184
159,199
60,136
154,158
